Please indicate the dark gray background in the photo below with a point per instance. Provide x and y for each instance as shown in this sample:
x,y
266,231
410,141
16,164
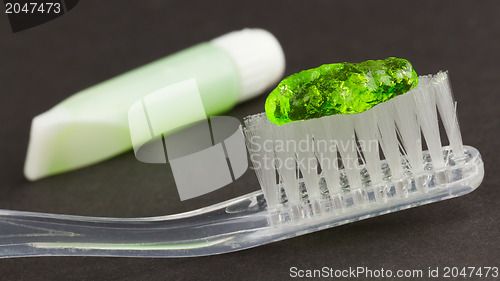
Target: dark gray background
x,y
99,39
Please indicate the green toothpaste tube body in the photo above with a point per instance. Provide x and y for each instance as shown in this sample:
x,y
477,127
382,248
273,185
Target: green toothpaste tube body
x,y
92,125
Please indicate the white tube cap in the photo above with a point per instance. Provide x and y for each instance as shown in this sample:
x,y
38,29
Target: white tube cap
x,y
258,56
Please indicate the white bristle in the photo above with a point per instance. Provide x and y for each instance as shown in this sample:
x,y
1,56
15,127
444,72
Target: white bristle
x,y
306,158
425,99
448,112
342,127
327,154
306,147
384,115
258,136
286,164
406,121
367,132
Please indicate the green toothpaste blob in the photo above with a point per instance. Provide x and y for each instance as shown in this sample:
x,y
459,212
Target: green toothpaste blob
x,y
339,88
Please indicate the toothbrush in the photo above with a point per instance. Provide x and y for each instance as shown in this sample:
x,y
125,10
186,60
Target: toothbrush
x,y
294,200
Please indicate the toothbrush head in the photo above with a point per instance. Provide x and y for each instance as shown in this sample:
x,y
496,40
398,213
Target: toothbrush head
x,y
338,165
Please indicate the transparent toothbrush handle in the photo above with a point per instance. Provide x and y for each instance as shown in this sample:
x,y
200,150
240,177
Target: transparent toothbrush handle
x,y
212,230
